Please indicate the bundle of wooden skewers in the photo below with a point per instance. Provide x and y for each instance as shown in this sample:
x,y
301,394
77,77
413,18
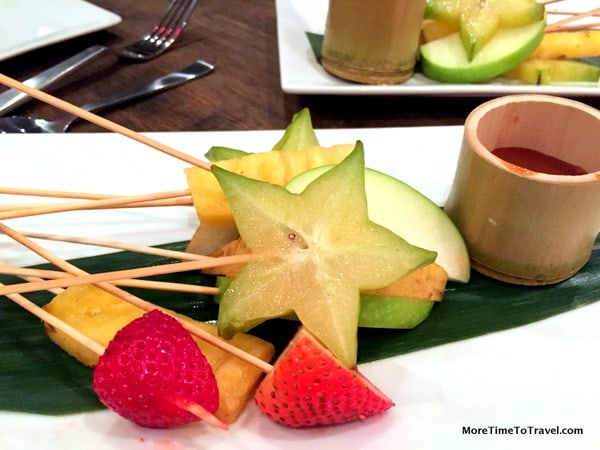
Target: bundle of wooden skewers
x,y
571,20
67,274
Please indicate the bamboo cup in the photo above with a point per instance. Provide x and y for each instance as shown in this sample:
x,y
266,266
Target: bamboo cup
x,y
372,42
522,226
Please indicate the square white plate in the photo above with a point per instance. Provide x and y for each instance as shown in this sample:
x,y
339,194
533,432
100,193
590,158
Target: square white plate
x,y
30,24
542,375
301,73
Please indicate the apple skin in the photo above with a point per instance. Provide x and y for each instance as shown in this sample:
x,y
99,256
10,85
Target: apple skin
x,y
411,215
376,311
384,311
446,60
479,21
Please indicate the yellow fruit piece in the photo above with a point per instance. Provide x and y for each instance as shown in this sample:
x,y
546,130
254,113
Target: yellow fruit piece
x,y
274,167
99,315
551,71
425,283
568,45
432,30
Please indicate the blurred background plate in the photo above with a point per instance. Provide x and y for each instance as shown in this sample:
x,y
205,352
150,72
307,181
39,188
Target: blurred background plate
x,y
30,24
301,73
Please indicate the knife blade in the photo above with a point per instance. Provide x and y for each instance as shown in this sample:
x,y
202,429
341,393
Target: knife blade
x,y
12,98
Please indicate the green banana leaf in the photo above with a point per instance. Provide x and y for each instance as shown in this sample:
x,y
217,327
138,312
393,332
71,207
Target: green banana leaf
x,y
38,377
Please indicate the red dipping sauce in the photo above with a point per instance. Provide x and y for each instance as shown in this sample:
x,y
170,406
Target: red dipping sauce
x,y
537,161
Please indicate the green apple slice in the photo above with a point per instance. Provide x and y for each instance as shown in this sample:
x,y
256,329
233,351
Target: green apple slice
x,y
480,20
376,311
313,253
411,215
446,60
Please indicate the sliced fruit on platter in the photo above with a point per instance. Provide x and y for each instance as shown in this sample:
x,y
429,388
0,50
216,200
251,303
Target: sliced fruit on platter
x,y
446,60
299,133
410,214
154,374
479,20
100,315
568,45
308,387
401,305
312,254
552,71
276,167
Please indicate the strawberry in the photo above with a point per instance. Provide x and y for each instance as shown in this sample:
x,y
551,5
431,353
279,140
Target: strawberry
x,y
309,387
154,374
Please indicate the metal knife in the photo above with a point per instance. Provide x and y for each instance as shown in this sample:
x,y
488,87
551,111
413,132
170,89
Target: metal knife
x,y
13,98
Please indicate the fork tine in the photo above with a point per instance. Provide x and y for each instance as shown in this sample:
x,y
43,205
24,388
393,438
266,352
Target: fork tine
x,y
168,28
167,21
174,20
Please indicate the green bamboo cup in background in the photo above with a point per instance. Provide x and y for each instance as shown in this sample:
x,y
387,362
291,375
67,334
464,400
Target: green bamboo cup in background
x,y
372,42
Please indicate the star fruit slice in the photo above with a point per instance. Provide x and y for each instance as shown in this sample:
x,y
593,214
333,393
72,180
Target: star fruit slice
x,y
480,20
314,252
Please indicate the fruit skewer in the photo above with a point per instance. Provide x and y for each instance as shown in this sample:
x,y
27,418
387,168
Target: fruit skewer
x,y
102,280
370,401
193,408
189,265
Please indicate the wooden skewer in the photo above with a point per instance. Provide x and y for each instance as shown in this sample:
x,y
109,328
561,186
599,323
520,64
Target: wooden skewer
x,y
102,122
174,254
114,202
33,278
125,274
571,13
98,349
576,27
54,321
53,193
176,201
40,274
136,301
562,24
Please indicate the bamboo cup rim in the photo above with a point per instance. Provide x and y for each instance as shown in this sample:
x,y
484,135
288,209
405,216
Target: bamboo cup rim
x,y
533,115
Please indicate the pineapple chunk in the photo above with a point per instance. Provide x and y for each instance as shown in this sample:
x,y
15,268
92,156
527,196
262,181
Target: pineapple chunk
x,y
100,315
568,45
275,167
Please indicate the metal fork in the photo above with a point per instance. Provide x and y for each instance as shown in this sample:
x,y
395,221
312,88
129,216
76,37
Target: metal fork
x,y
162,36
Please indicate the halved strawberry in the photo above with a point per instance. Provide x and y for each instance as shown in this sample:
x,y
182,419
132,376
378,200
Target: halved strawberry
x,y
154,374
309,387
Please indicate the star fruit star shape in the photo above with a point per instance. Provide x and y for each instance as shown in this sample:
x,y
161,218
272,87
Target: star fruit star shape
x,y
479,20
313,254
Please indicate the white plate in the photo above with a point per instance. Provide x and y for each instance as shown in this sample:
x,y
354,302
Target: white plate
x,y
542,375
29,24
302,74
